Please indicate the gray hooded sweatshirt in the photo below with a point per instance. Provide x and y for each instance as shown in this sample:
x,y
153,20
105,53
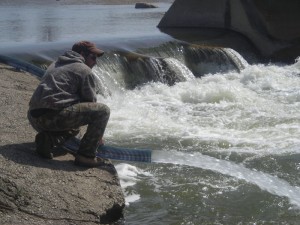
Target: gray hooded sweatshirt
x,y
66,82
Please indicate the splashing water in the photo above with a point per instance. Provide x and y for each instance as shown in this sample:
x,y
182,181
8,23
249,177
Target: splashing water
x,y
225,142
264,181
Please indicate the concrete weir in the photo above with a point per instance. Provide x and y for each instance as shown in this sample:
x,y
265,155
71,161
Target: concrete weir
x,y
272,26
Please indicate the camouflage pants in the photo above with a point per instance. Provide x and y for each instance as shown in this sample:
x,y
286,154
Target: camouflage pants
x,y
64,124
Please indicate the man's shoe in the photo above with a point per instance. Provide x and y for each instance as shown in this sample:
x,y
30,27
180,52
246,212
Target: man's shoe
x,y
44,145
81,160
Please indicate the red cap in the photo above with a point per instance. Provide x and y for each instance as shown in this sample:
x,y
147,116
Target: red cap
x,y
86,46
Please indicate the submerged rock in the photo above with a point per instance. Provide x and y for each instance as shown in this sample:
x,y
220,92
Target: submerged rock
x,y
142,5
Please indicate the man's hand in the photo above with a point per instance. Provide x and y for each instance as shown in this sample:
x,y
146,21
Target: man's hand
x,y
101,142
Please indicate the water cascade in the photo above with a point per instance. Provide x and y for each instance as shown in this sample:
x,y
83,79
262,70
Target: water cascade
x,y
169,64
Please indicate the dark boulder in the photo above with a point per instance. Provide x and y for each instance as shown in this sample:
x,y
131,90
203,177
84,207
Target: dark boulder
x,y
271,25
142,5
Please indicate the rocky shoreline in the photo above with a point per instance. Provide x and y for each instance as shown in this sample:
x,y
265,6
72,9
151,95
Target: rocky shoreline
x,y
39,191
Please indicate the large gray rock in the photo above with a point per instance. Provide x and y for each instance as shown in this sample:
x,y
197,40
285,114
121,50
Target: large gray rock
x,y
271,25
55,191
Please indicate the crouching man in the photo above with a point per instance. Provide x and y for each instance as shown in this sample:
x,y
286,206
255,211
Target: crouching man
x,y
65,100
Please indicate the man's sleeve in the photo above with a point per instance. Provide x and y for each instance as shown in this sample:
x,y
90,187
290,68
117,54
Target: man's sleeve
x,y
88,89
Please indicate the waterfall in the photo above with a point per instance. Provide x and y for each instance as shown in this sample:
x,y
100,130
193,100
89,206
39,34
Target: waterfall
x,y
204,60
200,59
129,70
169,63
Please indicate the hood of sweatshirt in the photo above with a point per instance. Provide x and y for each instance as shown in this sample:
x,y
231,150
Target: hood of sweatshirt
x,y
70,57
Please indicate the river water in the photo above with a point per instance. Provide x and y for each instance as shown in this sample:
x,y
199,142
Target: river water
x,y
224,132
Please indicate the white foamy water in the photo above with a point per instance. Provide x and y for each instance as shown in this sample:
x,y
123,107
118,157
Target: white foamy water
x,y
128,176
254,111
239,131
180,69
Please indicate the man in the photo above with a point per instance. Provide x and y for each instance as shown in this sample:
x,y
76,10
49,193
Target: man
x,y
65,100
